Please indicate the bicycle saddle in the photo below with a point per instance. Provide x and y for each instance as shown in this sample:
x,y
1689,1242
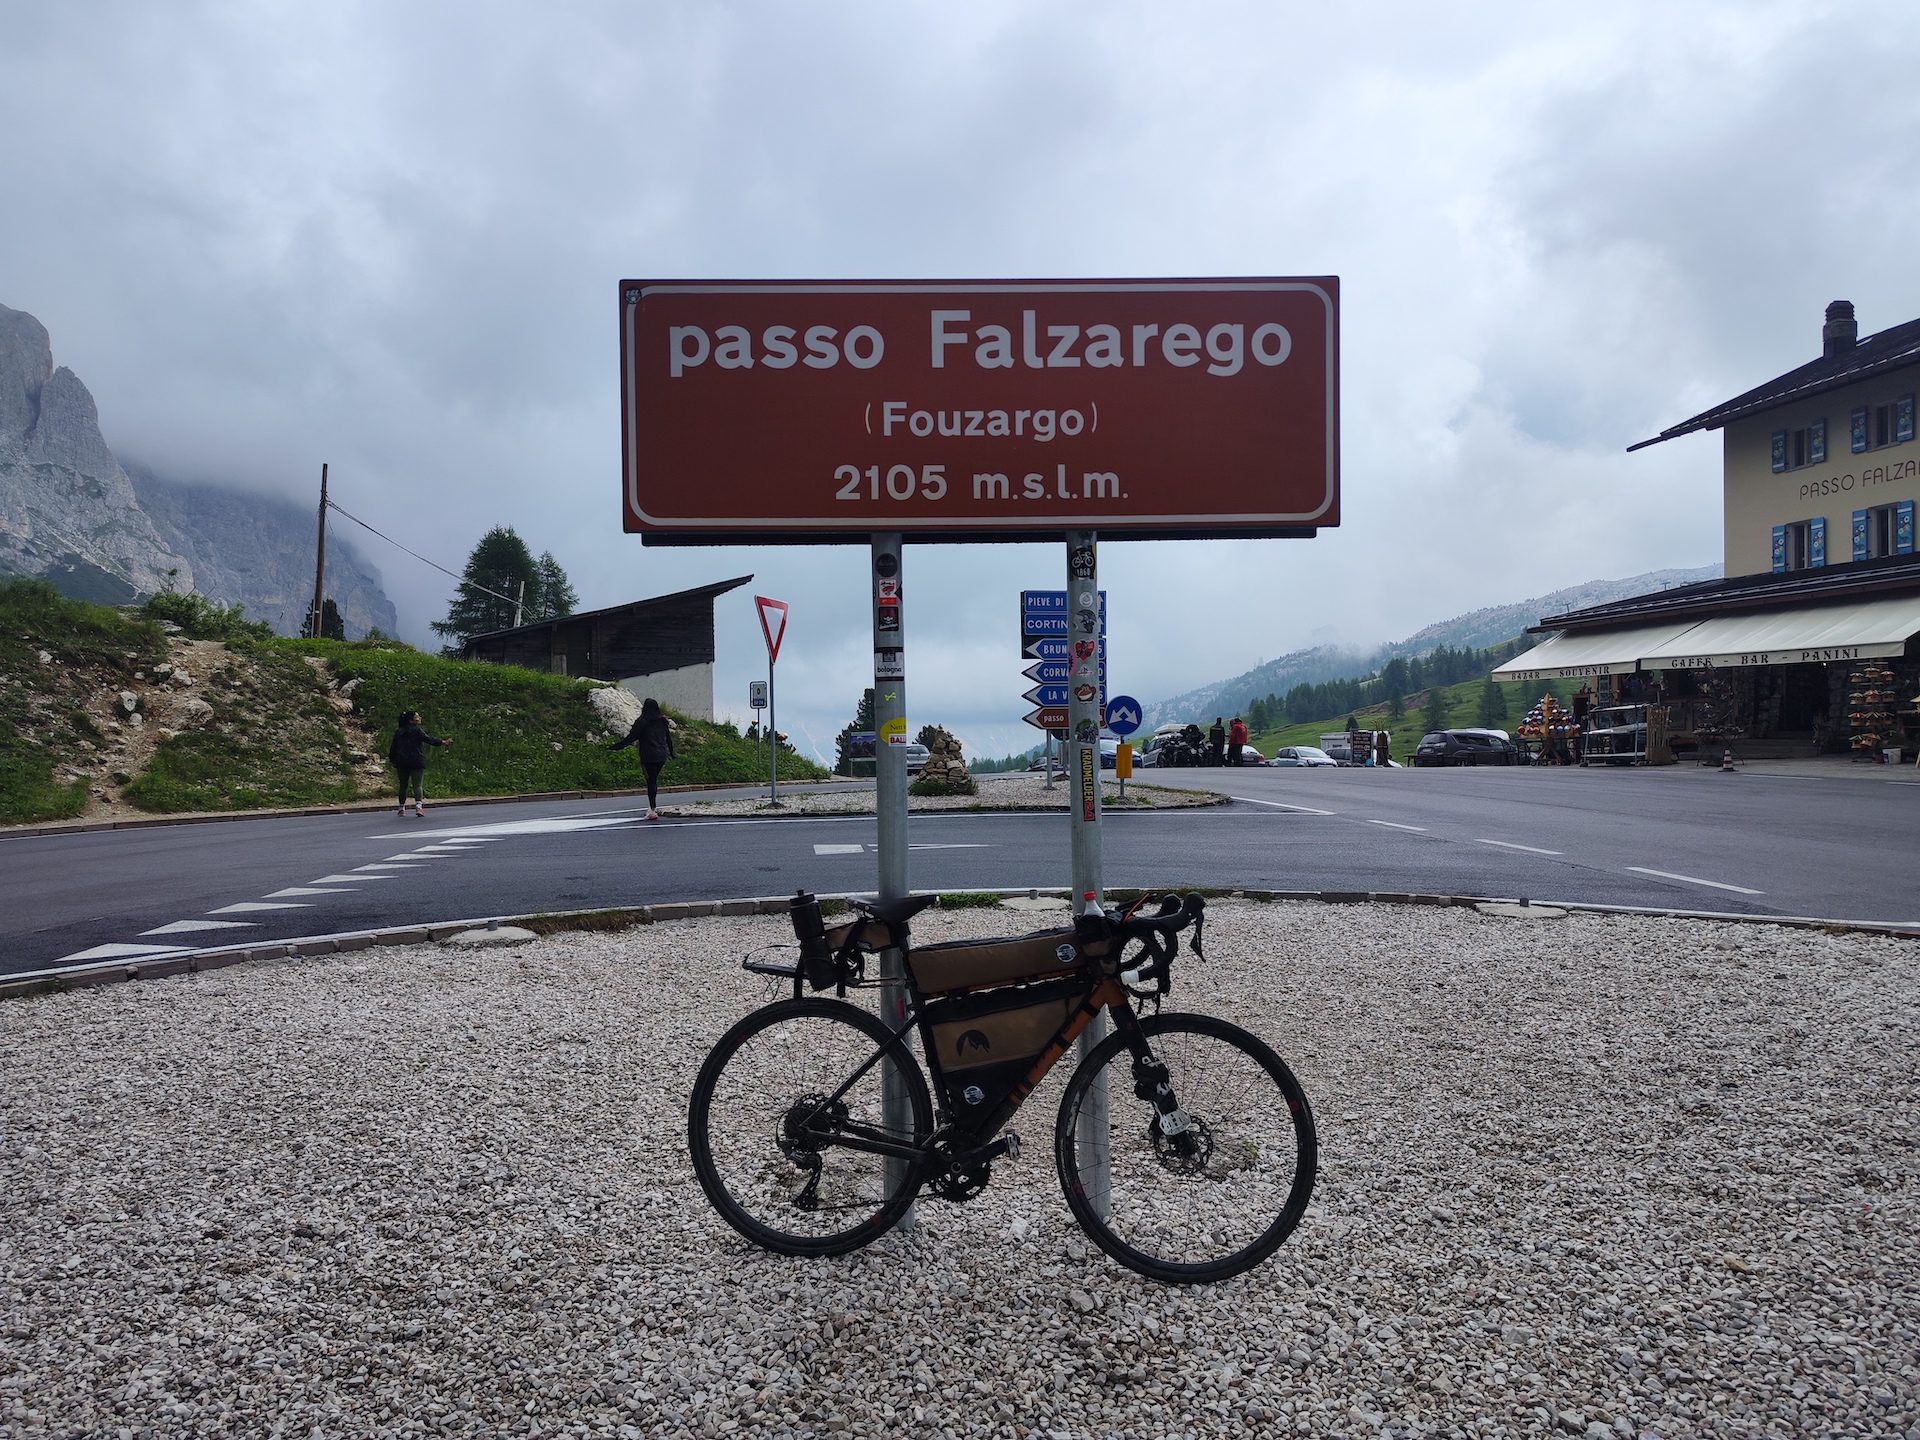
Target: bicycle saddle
x,y
894,912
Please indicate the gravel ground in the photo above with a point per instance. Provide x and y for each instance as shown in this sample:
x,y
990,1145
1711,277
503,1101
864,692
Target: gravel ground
x,y
997,792
1597,1174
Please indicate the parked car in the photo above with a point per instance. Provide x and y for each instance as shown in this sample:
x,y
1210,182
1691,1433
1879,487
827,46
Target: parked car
x,y
916,758
1467,747
1171,745
1251,756
1303,755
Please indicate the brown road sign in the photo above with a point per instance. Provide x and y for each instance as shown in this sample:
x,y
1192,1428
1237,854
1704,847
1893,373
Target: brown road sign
x,y
1048,717
780,412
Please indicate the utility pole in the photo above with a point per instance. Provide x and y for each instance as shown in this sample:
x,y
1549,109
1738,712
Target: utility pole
x,y
519,604
890,805
1086,640
319,561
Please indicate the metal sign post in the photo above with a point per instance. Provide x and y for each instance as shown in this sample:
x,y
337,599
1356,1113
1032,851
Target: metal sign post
x,y
773,625
1086,662
890,806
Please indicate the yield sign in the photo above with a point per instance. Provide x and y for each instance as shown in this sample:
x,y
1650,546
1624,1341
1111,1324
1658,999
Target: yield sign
x,y
773,623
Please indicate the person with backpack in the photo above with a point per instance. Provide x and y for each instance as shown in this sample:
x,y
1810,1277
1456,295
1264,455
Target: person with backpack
x,y
408,752
1236,741
1217,743
652,738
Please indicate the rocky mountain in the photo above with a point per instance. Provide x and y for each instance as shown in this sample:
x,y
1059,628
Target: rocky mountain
x,y
67,509
257,551
103,532
1477,629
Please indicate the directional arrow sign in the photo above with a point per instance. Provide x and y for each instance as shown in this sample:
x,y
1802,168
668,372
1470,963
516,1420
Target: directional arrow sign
x,y
1057,672
1044,612
1054,718
1050,695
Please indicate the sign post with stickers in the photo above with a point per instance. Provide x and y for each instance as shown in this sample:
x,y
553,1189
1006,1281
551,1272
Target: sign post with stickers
x,y
883,412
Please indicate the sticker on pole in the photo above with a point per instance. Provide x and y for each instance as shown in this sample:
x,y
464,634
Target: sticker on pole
x,y
1123,715
894,731
773,624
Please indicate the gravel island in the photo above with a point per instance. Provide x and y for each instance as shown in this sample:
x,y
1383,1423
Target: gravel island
x,y
1588,1175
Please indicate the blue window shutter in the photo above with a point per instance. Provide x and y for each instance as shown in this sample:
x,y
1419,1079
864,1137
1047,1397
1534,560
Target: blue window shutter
x,y
1859,430
1779,451
1817,541
1903,418
1859,534
1779,548
1817,443
1903,528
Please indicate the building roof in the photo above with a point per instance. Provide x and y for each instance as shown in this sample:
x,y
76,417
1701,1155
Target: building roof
x,y
1889,350
698,592
1892,574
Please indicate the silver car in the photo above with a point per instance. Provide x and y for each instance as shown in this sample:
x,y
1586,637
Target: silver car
x,y
1302,755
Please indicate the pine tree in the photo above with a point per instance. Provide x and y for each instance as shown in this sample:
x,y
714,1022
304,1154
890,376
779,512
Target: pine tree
x,y
1493,705
500,563
1434,717
1396,703
550,596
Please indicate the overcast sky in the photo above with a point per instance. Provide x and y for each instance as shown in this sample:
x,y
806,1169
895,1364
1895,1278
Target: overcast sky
x,y
387,236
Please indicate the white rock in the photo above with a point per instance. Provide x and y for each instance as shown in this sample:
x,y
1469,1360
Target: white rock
x,y
484,939
616,708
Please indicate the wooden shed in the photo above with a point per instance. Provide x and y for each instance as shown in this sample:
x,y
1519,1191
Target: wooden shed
x,y
661,647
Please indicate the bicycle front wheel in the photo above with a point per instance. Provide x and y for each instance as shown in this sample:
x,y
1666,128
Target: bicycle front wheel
x,y
776,1143
1213,1197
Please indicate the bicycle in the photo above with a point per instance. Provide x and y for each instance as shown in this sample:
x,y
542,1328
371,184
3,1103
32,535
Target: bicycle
x,y
1211,1139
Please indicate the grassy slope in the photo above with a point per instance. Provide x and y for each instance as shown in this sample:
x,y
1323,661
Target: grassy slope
x,y
1462,703
273,741
522,731
41,722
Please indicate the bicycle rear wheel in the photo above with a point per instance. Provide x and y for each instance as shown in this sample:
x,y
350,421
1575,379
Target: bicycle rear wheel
x,y
767,1135
1221,1195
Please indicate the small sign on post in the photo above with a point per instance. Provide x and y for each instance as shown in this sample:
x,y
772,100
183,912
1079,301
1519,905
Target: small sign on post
x,y
757,694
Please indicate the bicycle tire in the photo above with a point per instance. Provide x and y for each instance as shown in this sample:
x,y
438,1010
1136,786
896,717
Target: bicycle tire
x,y
1262,1154
752,1179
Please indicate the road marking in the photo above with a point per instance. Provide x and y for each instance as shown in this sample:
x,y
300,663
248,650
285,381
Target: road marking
x,y
969,845
1296,809
1509,845
441,850
188,927
302,890
1696,880
839,849
1396,825
389,865
349,879
247,907
119,952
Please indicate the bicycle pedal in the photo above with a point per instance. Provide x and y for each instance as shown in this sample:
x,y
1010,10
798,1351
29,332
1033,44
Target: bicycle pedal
x,y
1010,1145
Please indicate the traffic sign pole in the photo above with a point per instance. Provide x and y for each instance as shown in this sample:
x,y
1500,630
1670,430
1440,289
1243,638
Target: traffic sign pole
x,y
1092,1138
890,804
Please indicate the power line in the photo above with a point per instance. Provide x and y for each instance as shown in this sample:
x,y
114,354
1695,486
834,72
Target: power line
x,y
331,505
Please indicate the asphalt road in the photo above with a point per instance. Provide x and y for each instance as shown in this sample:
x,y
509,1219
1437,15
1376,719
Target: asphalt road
x,y
1683,838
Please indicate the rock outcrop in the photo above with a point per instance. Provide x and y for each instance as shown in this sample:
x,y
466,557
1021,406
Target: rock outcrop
x,y
100,531
67,509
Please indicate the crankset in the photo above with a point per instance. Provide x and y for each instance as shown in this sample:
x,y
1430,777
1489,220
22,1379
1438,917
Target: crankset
x,y
965,1174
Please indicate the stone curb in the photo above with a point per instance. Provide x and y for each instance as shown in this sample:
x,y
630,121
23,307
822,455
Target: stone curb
x,y
42,982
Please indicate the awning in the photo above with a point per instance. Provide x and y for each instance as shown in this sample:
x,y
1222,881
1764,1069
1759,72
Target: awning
x,y
1867,630
1570,656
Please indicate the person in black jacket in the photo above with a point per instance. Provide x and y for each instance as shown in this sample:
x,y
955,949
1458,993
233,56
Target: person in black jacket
x,y
653,739
408,752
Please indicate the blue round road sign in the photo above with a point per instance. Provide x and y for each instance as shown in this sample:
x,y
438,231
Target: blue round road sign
x,y
1123,715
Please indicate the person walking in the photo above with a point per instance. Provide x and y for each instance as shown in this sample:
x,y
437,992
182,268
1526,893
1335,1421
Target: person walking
x,y
408,752
1383,748
1236,741
1217,742
652,738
